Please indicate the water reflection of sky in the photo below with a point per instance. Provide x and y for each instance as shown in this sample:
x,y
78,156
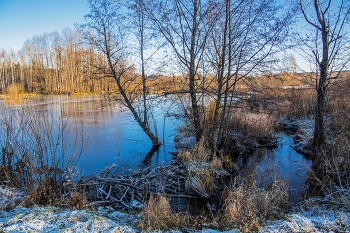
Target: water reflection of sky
x,y
114,137
282,162
110,135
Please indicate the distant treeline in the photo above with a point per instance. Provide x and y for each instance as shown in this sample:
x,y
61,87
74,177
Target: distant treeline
x,y
56,63
53,63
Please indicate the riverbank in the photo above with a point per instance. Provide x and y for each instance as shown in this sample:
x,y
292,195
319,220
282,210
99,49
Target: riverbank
x,y
311,216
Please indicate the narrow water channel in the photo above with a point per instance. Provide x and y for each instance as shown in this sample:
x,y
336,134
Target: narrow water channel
x,y
282,162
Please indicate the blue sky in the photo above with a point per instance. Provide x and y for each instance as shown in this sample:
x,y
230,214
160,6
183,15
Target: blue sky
x,y
22,19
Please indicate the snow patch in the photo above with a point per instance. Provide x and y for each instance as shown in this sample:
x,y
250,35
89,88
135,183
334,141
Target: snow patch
x,y
10,197
53,219
314,220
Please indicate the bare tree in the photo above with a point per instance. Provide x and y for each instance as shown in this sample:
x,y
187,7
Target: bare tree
x,y
247,36
105,32
145,46
185,26
328,47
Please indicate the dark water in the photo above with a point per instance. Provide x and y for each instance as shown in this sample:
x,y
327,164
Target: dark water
x,y
108,132
282,162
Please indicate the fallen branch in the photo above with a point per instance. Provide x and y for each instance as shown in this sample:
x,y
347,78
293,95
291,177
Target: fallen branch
x,y
110,187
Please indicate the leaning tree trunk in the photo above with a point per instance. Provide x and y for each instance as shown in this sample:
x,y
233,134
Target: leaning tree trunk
x,y
144,124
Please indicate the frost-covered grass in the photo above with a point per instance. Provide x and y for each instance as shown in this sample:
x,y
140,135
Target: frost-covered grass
x,y
10,197
309,217
316,219
15,218
52,219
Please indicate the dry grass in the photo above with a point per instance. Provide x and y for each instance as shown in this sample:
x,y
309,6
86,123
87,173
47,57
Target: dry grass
x,y
77,200
340,121
157,214
200,180
15,94
228,163
199,153
248,206
290,103
216,163
258,128
299,103
330,175
202,170
339,98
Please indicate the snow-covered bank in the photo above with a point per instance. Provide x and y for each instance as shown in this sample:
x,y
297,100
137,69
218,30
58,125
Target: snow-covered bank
x,y
15,218
317,219
52,219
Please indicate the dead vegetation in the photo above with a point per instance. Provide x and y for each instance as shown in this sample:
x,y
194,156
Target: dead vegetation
x,y
248,203
329,175
36,155
300,103
158,215
204,170
248,131
15,89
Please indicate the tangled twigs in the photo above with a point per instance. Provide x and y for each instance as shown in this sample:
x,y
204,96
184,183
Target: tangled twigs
x,y
129,190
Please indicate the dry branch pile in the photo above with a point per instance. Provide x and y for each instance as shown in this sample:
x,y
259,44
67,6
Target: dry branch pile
x,y
128,191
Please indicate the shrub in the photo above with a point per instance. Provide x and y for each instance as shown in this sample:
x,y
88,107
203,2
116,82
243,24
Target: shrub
x,y
157,214
38,153
248,206
330,175
15,89
15,94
